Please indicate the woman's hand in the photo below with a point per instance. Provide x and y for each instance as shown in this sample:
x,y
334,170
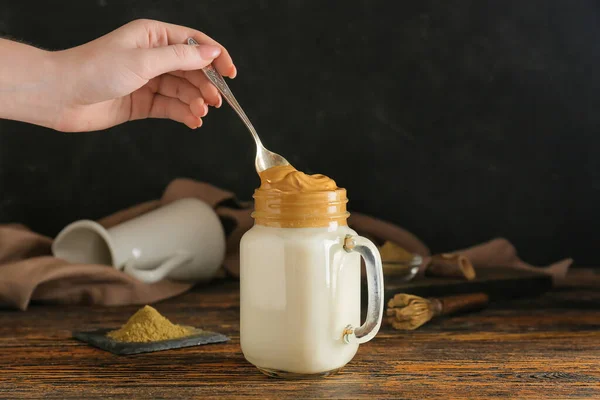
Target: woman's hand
x,y
141,70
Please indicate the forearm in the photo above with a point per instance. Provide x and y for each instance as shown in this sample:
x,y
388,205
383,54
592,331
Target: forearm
x,y
29,84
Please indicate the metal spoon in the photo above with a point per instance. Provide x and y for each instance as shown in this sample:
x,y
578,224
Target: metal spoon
x,y
405,270
265,159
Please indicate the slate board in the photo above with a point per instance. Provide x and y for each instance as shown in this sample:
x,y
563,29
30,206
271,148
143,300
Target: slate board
x,y
99,339
499,283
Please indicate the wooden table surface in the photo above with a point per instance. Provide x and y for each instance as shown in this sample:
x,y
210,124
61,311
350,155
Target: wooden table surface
x,y
548,347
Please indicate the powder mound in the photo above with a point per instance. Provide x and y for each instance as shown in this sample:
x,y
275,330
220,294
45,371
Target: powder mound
x,y
392,252
285,178
147,325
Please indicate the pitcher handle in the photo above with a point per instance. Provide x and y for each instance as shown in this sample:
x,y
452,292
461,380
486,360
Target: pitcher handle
x,y
370,254
162,270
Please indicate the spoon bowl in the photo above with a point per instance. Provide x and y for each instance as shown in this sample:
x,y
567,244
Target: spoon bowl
x,y
266,159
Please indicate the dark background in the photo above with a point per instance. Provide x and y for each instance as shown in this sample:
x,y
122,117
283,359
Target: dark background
x,y
458,120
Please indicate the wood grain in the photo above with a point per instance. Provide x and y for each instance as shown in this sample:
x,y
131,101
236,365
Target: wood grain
x,y
547,347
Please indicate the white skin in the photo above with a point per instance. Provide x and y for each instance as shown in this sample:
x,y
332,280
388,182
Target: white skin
x,y
142,70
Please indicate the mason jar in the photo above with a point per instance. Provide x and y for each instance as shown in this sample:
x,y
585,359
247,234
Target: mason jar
x,y
300,284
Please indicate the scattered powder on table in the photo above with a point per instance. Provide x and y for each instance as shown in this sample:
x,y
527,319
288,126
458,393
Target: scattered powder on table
x,y
147,325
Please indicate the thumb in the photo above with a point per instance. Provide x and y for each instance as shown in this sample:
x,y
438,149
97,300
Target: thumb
x,y
160,60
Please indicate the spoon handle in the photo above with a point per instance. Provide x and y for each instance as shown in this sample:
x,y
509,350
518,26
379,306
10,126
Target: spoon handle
x,y
216,79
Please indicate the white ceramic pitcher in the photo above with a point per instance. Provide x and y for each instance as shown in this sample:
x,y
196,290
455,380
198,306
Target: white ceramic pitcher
x,y
183,240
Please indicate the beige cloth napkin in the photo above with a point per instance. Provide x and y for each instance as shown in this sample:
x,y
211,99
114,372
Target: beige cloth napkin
x,y
28,273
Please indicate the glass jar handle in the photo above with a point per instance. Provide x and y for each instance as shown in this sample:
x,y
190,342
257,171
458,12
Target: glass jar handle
x,y
370,254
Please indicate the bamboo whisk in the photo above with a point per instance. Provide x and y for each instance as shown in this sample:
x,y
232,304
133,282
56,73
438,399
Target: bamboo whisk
x,y
408,312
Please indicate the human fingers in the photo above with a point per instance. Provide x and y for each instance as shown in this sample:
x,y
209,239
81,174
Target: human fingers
x,y
159,106
177,34
150,63
182,89
198,79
